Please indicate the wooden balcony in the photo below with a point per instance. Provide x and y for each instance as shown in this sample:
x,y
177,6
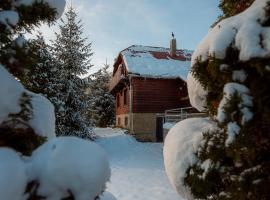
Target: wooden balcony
x,y
118,81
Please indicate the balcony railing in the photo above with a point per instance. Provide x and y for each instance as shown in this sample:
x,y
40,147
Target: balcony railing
x,y
179,114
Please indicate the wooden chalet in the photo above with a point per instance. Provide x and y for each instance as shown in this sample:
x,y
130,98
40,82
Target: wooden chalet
x,y
147,81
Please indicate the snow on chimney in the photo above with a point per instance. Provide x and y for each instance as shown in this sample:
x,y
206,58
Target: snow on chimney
x,y
173,46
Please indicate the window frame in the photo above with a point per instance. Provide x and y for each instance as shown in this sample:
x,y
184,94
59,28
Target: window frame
x,y
125,96
118,100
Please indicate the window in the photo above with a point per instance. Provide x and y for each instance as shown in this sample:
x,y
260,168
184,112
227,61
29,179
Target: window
x,y
126,121
119,121
125,97
118,100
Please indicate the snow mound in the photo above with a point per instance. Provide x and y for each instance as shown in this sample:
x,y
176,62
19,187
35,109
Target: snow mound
x,y
10,94
197,94
12,170
244,31
69,164
43,121
180,146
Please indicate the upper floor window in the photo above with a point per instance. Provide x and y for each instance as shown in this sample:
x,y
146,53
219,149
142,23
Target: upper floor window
x,y
118,100
125,97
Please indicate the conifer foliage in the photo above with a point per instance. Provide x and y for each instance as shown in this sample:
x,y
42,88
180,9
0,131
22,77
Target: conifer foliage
x,y
101,107
16,17
59,168
234,162
43,78
232,7
73,53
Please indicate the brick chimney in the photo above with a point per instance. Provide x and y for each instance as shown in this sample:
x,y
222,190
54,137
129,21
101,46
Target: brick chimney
x,y
173,47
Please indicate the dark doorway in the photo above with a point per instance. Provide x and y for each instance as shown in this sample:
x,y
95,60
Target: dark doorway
x,y
159,129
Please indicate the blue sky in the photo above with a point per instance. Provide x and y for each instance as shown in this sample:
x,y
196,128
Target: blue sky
x,y
112,25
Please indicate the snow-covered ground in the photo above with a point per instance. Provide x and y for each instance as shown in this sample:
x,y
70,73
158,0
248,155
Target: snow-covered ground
x,y
137,168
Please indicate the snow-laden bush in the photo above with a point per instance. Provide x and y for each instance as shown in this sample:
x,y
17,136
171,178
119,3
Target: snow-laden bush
x,y
180,146
247,35
61,168
230,79
13,179
69,165
26,119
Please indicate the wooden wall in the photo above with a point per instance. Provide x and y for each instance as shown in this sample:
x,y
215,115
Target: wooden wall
x,y
122,109
157,95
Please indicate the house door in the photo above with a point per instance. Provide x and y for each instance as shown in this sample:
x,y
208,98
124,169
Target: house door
x,y
159,129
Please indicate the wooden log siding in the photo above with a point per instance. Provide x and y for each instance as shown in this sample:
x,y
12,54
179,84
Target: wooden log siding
x,y
122,108
157,95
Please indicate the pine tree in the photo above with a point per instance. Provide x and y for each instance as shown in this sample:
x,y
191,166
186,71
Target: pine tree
x,y
73,53
238,99
17,17
42,78
101,103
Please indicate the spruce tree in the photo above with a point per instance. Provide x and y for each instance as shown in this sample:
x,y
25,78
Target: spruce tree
x,y
237,152
73,53
101,109
43,77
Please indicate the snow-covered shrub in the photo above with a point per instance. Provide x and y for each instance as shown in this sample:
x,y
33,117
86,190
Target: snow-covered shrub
x,y
26,119
13,179
181,144
230,79
62,167
19,108
69,166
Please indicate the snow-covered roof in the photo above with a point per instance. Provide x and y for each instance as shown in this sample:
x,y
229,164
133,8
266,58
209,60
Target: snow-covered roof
x,y
156,62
